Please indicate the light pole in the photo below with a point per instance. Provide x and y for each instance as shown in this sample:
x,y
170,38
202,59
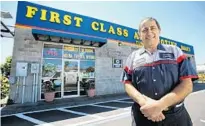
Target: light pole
x,y
6,15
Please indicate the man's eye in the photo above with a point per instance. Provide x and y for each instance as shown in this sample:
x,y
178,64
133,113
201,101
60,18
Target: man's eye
x,y
153,28
144,30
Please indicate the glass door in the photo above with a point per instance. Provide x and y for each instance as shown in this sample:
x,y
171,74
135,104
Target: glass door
x,y
71,78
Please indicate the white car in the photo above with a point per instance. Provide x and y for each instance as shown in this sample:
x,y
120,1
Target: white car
x,y
71,77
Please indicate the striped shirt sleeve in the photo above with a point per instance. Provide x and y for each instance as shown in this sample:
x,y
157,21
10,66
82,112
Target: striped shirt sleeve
x,y
126,76
186,69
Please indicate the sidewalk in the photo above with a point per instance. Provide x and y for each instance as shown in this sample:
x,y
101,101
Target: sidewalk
x,y
41,105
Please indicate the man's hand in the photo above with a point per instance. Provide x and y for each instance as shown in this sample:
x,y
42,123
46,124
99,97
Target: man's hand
x,y
141,100
158,118
152,109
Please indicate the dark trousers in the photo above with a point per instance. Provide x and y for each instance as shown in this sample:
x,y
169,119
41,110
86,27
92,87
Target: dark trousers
x,y
175,117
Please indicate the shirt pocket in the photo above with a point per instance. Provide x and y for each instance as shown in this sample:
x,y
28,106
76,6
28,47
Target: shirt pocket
x,y
141,78
172,75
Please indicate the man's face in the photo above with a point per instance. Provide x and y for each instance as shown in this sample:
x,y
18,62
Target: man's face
x,y
149,33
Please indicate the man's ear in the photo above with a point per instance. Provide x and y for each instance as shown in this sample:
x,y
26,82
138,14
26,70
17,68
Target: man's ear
x,y
159,32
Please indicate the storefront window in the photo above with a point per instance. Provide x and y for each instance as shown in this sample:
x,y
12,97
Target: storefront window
x,y
71,52
87,53
87,69
75,65
52,67
52,71
87,74
52,51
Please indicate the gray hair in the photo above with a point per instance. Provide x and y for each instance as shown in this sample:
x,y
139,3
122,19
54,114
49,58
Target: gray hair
x,y
149,19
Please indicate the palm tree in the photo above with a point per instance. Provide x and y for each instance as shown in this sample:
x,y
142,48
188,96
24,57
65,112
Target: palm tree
x,y
66,65
48,68
90,69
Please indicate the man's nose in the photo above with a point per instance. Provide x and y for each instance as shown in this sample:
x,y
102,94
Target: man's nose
x,y
149,30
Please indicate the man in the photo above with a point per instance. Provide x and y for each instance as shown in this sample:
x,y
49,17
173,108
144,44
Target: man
x,y
158,78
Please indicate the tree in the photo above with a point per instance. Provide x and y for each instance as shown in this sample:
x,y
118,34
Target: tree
x,y
4,86
90,69
48,69
5,73
6,67
66,66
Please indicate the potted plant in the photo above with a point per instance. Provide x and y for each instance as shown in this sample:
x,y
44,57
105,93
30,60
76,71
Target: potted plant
x,y
90,87
49,92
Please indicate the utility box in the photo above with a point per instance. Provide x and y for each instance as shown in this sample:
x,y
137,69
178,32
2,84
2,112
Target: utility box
x,y
21,69
35,68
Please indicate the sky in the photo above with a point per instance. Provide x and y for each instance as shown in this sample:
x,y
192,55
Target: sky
x,y
180,21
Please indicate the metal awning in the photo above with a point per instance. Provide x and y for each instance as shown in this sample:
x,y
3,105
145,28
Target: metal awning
x,y
86,40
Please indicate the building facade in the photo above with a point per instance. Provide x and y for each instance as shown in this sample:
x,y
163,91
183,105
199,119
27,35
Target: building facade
x,y
68,49
201,72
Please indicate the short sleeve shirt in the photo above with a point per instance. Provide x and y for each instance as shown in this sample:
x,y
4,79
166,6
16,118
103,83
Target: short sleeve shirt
x,y
156,74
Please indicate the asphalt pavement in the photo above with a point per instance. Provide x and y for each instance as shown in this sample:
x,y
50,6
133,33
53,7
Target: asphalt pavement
x,y
108,112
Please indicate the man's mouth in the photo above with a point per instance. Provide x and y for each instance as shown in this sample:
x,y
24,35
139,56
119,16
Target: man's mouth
x,y
150,37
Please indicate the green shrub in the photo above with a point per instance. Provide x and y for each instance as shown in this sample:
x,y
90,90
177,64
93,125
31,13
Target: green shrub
x,y
4,86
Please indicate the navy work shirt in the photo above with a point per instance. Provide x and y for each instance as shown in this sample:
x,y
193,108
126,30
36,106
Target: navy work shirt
x,y
158,73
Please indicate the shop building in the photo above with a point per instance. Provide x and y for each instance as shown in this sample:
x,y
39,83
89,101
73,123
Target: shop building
x,y
67,49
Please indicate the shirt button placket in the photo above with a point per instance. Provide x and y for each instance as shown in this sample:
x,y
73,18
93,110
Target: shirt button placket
x,y
154,82
153,77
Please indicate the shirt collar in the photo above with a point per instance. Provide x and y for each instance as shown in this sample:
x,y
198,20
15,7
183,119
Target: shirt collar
x,y
159,47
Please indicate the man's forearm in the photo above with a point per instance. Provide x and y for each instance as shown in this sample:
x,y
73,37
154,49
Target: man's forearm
x,y
178,94
134,94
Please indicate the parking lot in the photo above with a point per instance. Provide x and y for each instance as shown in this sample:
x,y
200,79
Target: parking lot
x,y
106,113
74,115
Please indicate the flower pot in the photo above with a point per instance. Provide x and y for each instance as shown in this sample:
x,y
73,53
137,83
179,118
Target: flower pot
x,y
49,96
91,92
4,101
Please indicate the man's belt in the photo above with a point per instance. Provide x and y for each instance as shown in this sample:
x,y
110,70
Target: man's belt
x,y
175,106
